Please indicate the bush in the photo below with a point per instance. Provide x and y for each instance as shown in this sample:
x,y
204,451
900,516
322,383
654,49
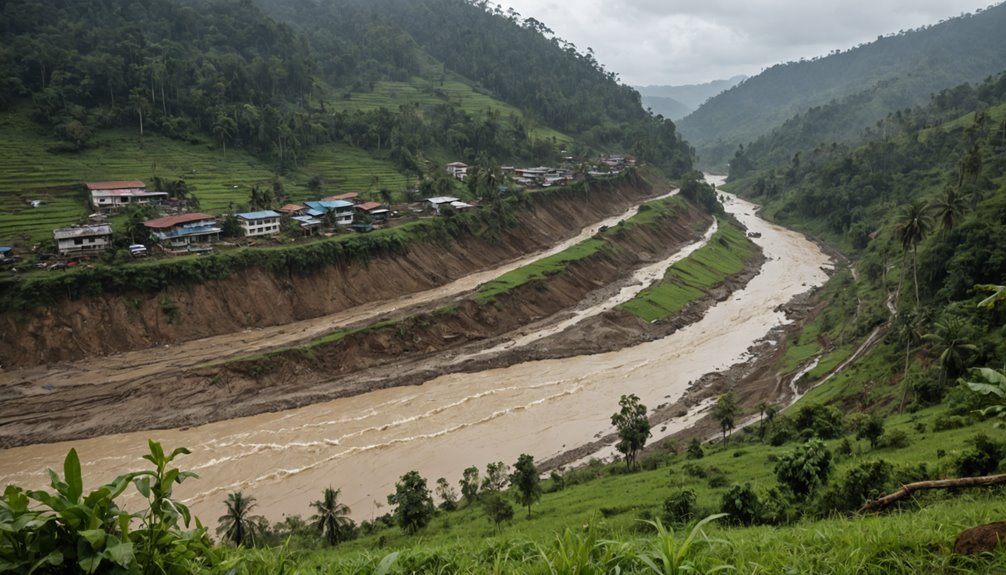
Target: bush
x,y
822,421
947,422
679,507
719,480
777,509
897,439
864,482
741,504
805,468
694,470
695,450
982,458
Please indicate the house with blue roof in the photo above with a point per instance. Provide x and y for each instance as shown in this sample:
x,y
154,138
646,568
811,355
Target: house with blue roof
x,y
6,252
263,223
343,210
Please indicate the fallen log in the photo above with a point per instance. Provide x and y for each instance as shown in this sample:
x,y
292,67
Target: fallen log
x,y
910,488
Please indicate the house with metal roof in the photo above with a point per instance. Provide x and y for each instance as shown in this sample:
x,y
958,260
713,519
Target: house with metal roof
x,y
112,196
182,230
309,225
262,223
82,240
343,210
6,252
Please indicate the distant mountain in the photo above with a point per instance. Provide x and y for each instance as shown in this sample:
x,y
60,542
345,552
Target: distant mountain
x,y
691,95
667,107
904,69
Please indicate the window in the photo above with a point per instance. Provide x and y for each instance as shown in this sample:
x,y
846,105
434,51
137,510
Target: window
x,y
78,242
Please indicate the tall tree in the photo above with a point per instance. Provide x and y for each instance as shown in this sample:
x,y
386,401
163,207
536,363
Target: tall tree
x,y
633,428
525,479
496,476
952,344
224,128
913,226
238,525
413,502
469,484
332,517
950,208
725,412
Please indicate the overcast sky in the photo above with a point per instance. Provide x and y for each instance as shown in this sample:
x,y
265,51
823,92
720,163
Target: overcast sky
x,y
693,41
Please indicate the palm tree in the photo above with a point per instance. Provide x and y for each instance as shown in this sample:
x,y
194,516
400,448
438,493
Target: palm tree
x,y
332,519
998,295
949,208
908,328
725,412
238,524
913,227
950,340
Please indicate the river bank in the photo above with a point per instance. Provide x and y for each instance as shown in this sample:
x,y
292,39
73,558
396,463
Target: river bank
x,y
361,444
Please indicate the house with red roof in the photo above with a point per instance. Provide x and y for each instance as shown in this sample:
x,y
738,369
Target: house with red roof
x,y
376,211
181,230
112,196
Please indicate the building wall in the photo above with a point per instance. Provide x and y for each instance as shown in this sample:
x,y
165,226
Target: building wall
x,y
265,227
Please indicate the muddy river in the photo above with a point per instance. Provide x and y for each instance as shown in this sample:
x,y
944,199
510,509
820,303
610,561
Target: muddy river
x,y
362,444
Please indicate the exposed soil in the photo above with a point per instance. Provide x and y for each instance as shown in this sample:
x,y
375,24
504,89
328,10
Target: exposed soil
x,y
75,400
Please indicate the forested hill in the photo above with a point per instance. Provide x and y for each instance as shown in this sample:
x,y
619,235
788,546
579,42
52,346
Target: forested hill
x,y
902,69
274,77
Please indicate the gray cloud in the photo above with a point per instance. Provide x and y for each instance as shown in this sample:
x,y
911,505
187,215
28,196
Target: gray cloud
x,y
678,42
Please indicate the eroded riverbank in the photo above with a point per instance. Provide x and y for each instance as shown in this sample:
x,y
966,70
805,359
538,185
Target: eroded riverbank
x,y
362,444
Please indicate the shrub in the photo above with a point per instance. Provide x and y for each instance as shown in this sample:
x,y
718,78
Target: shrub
x,y
695,450
679,507
895,440
805,468
845,448
717,481
947,422
777,509
864,482
982,458
822,421
694,470
741,504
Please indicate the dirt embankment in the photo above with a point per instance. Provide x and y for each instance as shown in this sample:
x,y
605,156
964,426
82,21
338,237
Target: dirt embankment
x,y
95,326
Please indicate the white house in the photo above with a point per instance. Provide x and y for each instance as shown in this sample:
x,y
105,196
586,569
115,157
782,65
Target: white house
x,y
112,196
458,169
264,223
181,230
438,201
82,240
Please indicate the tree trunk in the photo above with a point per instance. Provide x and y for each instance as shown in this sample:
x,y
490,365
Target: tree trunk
x,y
908,489
915,273
904,379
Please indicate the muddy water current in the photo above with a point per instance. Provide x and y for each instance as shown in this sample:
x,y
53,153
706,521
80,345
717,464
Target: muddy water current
x,y
362,444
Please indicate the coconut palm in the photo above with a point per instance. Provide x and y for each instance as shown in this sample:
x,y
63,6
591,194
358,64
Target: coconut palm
x,y
238,524
949,209
332,519
913,227
950,340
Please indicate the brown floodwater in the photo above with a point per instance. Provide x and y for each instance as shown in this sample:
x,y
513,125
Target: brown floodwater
x,y
363,444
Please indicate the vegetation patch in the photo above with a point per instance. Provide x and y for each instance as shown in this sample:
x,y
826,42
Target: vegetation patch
x,y
724,255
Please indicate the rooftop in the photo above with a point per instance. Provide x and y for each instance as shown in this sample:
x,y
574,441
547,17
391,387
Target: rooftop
x,y
261,215
82,232
172,221
348,196
120,185
441,200
367,206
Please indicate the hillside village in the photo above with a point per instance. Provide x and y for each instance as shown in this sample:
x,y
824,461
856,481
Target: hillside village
x,y
173,228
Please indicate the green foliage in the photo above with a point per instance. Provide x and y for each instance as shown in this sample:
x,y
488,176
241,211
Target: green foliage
x,y
679,507
238,525
671,557
71,531
331,519
497,475
413,502
725,412
863,482
818,420
741,504
469,484
448,497
872,430
524,479
990,383
632,426
805,468
498,508
981,458
695,449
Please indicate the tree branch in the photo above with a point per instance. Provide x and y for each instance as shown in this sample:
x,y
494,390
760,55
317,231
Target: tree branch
x,y
908,489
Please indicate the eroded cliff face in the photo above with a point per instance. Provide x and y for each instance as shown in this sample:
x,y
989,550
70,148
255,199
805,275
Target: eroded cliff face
x,y
71,330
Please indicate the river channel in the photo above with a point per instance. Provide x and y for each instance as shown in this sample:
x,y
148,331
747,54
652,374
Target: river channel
x,y
363,444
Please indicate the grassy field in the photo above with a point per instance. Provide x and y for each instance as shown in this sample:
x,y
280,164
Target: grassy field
x,y
686,281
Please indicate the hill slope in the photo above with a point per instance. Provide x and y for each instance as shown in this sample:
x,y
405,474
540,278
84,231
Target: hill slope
x,y
676,102
912,65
